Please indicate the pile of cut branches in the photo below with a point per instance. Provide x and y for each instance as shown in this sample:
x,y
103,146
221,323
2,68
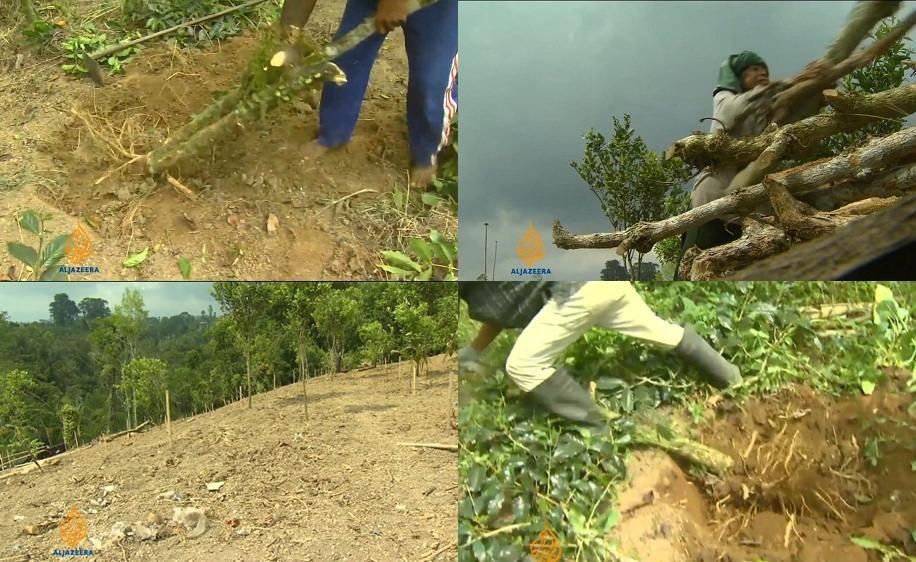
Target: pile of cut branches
x,y
825,217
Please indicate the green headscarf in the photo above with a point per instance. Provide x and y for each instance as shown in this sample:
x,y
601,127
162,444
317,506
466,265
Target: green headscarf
x,y
731,69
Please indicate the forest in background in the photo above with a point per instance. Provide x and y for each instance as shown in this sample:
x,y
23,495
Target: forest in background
x,y
94,368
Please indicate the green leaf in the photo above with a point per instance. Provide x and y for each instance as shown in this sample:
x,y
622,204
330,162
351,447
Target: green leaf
x,y
613,517
569,446
446,250
426,275
867,387
422,249
431,199
30,221
184,266
136,259
867,544
397,270
54,251
480,551
475,477
398,259
436,237
23,253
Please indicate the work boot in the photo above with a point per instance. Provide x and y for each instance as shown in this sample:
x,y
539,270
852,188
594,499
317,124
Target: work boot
x,y
719,371
563,396
469,361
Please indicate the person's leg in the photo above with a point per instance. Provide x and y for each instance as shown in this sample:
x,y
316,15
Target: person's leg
x,y
550,332
531,363
431,38
630,315
633,317
340,104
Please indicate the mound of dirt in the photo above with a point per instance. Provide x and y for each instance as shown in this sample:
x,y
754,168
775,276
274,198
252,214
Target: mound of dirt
x,y
259,210
811,472
338,487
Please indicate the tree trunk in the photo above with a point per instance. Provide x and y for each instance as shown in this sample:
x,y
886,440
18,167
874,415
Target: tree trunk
x,y
303,369
110,412
413,381
134,392
248,372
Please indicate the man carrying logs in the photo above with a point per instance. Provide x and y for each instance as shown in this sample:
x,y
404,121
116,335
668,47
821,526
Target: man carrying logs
x,y
431,39
553,315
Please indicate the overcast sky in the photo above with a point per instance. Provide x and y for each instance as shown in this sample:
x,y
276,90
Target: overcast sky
x,y
537,75
28,302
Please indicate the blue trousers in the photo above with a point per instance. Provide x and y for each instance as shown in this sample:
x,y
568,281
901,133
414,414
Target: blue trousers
x,y
431,39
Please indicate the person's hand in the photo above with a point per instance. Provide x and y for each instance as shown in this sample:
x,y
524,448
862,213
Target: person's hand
x,y
391,14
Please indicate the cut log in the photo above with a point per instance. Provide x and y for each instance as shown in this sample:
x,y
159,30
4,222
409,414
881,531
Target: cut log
x,y
126,431
840,254
713,149
431,446
757,242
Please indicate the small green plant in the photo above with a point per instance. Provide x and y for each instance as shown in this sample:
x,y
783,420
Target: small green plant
x,y
697,411
88,40
888,553
872,451
156,15
43,260
437,252
184,266
39,33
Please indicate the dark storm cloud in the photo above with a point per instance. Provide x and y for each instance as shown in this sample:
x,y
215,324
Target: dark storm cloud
x,y
28,302
537,75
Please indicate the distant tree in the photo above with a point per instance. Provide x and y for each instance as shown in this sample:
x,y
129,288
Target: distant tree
x,y
63,310
337,315
632,183
416,329
93,308
377,342
614,271
649,271
145,381
244,302
17,432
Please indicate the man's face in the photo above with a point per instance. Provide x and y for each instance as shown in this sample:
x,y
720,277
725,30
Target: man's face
x,y
755,75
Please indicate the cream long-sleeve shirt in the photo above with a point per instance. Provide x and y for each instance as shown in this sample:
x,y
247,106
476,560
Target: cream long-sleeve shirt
x,y
727,107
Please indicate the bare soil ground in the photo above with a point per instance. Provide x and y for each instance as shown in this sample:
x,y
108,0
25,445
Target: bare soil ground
x,y
801,488
51,156
337,487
